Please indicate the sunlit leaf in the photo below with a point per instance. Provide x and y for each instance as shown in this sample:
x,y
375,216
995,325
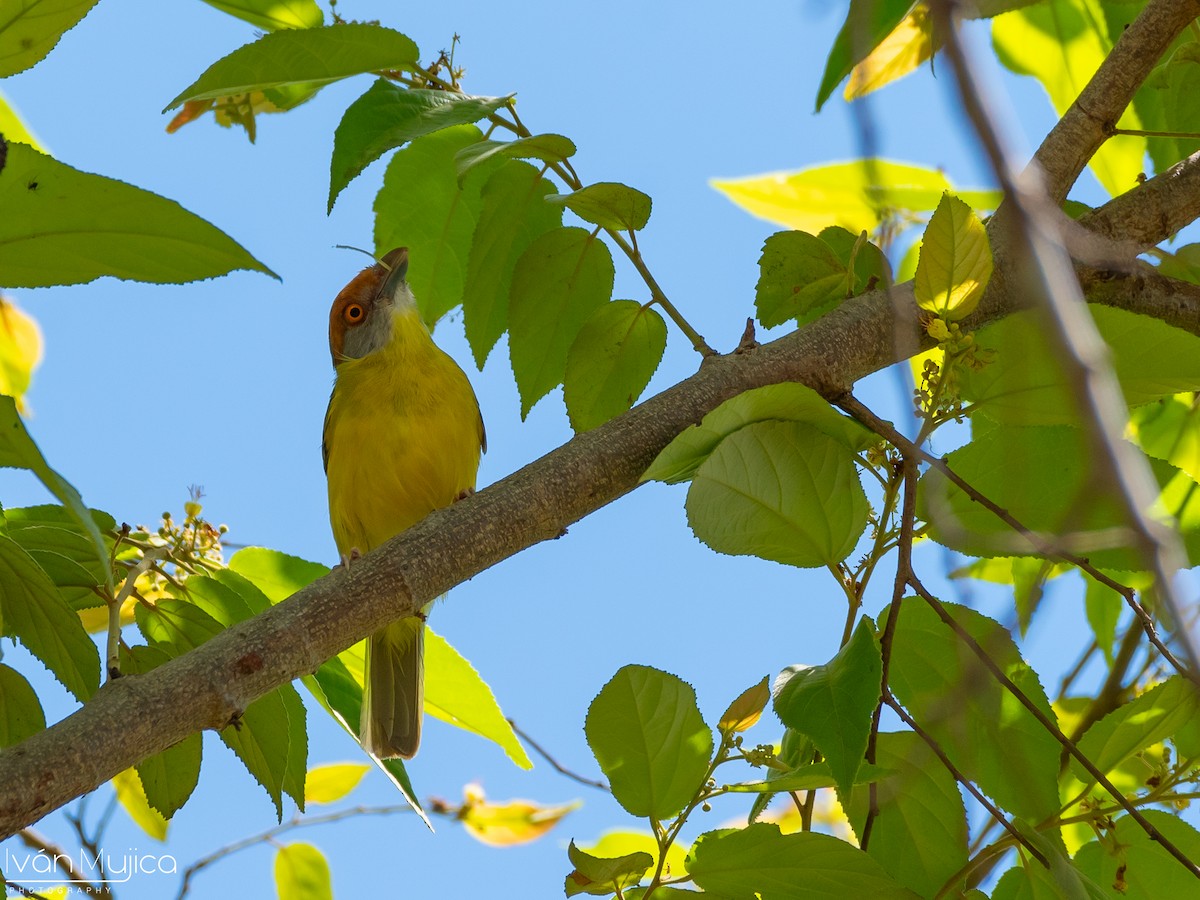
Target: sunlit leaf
x,y
609,205
63,226
1141,866
20,350
131,796
278,575
20,710
955,262
789,401
14,128
868,23
273,14
548,148
301,873
330,783
29,29
594,875
622,843
305,56
783,491
271,740
650,740
509,823
909,45
746,709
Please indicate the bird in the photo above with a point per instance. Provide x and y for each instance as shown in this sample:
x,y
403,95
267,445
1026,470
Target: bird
x,y
403,436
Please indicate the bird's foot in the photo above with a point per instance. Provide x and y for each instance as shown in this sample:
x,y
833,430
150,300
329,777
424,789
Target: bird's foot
x,y
463,495
353,556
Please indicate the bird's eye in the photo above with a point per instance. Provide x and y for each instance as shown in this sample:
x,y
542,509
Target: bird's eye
x,y
354,314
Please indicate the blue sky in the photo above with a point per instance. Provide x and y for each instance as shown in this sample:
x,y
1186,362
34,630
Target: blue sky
x,y
148,389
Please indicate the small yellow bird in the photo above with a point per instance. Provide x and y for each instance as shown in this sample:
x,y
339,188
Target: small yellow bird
x,y
403,436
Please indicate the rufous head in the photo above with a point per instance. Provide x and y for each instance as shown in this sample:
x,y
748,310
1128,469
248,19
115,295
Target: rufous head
x,y
360,321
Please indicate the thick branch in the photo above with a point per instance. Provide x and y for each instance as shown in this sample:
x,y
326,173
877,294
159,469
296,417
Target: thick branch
x,y
1093,116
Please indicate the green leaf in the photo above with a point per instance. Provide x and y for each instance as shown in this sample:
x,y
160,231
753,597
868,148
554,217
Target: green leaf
x,y
788,401
623,843
919,834
387,116
175,626
608,204
1141,865
1103,607
512,214
20,710
422,207
1033,881
221,602
983,728
1169,429
68,556
549,148
332,782
759,861
1148,719
955,263
611,360
169,778
650,740
278,575
29,29
455,693
1169,101
866,265
834,704
867,23
273,15
561,278
599,876
133,798
301,873
32,611
308,56
779,490
1061,45
800,277
855,195
271,740
63,226
1025,385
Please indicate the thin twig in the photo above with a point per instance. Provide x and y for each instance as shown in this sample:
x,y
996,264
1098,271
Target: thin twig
x,y
559,767
37,841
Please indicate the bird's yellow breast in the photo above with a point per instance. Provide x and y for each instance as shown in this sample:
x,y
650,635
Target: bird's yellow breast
x,y
403,437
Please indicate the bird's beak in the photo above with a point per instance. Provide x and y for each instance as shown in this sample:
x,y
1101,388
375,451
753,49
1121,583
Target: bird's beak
x,y
396,264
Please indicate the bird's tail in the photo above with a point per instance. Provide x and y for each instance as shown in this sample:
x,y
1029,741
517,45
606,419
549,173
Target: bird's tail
x,y
394,689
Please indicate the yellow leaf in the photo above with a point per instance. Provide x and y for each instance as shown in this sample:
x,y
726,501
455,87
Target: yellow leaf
x,y
509,823
955,263
131,796
909,45
20,350
622,843
747,709
13,128
332,782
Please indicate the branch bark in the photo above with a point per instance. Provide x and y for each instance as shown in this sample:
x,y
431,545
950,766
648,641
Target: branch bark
x,y
139,715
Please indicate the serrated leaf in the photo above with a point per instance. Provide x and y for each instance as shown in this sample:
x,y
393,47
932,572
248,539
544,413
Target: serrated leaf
x,y
306,56
868,23
301,873
808,777
388,116
983,728
746,709
20,710
910,44
1147,719
759,861
919,834
277,575
175,626
783,491
271,740
512,214
648,736
866,265
1062,45
800,277
834,704
855,195
560,279
1169,101
788,401
13,127
32,611
611,361
63,226
1103,607
622,843
131,796
29,29
1169,429
608,204
68,557
1143,868
955,262
218,600
169,778
273,14
455,693
422,207
549,148
332,782
597,876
